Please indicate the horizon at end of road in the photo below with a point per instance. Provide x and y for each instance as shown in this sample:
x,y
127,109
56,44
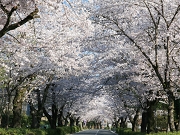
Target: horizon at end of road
x,y
95,132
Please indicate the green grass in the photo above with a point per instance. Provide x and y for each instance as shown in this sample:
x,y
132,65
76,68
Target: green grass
x,y
121,131
26,131
164,133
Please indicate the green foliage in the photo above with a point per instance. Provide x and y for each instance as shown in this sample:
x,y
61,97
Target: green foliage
x,y
25,121
53,132
67,129
164,133
126,131
161,121
5,118
161,106
121,131
44,124
22,131
75,129
106,128
26,131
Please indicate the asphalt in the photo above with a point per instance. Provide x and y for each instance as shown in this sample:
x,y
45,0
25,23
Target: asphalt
x,y
95,132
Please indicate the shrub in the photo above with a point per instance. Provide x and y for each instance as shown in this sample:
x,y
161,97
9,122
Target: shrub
x,y
38,132
2,131
127,131
25,121
26,131
121,131
54,132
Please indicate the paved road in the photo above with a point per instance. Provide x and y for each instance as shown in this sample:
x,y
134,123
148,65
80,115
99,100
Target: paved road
x,y
95,132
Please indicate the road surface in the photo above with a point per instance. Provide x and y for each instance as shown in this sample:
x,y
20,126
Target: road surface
x,y
95,132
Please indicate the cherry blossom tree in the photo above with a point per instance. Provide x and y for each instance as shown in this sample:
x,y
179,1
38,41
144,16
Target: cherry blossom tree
x,y
151,29
95,60
16,13
40,53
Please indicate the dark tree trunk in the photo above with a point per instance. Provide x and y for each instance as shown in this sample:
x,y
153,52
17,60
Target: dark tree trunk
x,y
171,111
60,119
116,122
33,113
135,122
151,124
77,121
178,124
144,122
98,125
171,114
60,116
177,114
36,116
123,122
65,121
17,107
52,118
54,115
66,118
178,117
5,122
72,121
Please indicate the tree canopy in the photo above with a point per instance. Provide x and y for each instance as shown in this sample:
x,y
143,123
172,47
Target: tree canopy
x,y
90,60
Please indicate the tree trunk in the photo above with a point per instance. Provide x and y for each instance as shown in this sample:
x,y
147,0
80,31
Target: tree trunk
x,y
36,116
177,112
77,121
178,115
178,124
33,117
171,111
60,119
135,122
151,125
52,118
116,122
150,120
8,110
60,116
144,122
72,121
66,118
123,122
17,107
66,121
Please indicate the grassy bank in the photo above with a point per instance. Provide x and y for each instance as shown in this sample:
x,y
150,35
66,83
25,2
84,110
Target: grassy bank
x,y
121,131
26,131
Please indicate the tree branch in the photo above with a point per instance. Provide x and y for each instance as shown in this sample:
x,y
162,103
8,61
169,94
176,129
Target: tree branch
x,y
4,8
14,38
8,27
176,12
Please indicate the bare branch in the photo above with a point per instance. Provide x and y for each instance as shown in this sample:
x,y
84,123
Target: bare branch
x,y
176,12
14,38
